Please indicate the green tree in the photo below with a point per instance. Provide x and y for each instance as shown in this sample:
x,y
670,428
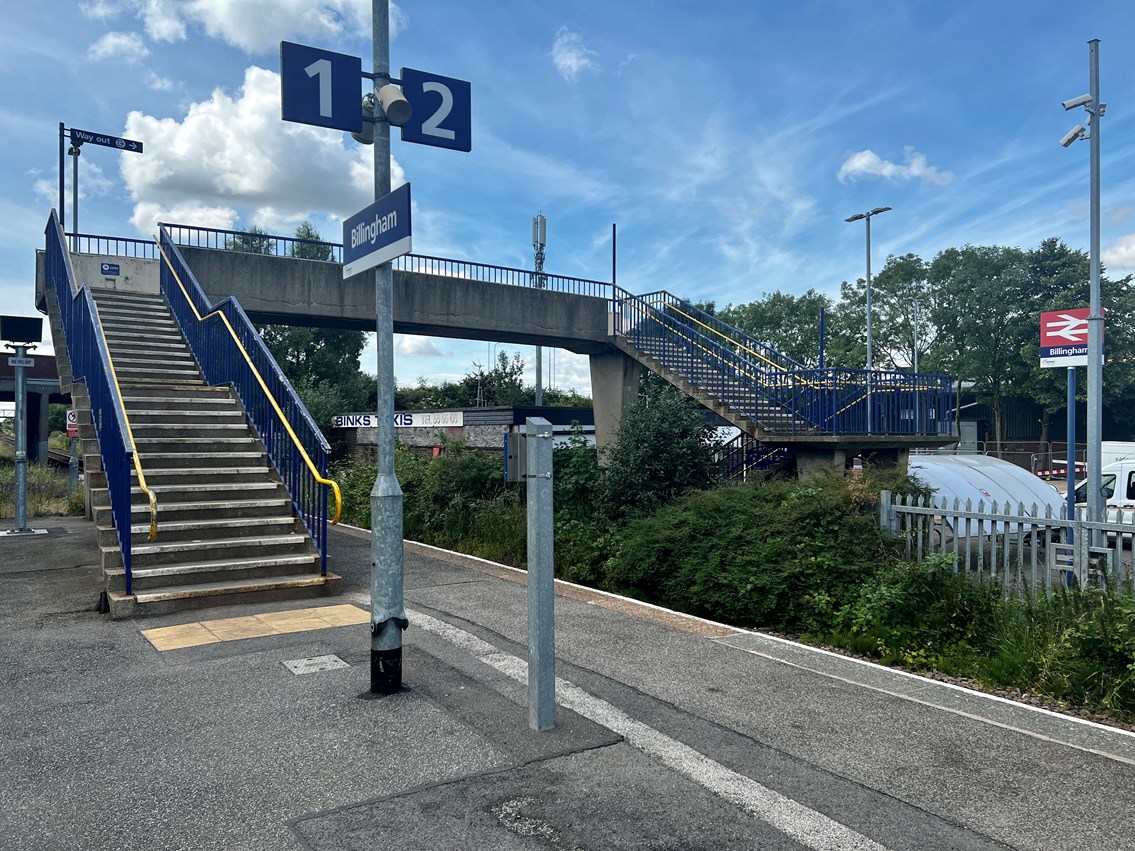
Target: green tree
x,y
313,247
1059,280
253,241
786,323
902,304
982,317
663,448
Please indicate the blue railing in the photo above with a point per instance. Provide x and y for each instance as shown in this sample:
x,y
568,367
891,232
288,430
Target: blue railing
x,y
745,454
773,391
287,246
90,362
230,351
115,246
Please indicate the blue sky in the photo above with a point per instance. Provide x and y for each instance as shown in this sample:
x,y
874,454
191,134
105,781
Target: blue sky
x,y
728,141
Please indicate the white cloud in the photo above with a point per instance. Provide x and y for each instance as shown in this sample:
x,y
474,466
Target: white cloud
x,y
115,45
158,83
1120,256
570,56
93,183
232,153
148,214
412,346
103,10
869,164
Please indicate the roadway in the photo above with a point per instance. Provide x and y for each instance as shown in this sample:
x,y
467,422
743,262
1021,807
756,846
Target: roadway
x,y
672,732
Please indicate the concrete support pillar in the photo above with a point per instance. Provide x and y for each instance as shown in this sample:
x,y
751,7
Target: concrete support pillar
x,y
615,381
37,428
891,456
814,462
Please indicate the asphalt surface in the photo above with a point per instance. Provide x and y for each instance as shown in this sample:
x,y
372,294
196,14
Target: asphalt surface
x,y
672,733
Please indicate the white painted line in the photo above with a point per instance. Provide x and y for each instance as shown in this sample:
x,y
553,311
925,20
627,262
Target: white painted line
x,y
804,825
315,664
867,664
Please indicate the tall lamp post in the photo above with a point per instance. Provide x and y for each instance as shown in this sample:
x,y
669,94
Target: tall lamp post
x,y
1090,130
870,351
867,217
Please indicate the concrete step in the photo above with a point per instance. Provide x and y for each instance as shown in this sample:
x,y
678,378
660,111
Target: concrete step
x,y
177,431
203,529
168,376
184,415
218,477
200,392
200,491
175,512
175,598
197,460
172,444
181,553
213,571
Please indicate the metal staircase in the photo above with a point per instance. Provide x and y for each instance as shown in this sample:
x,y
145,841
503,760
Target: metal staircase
x,y
770,397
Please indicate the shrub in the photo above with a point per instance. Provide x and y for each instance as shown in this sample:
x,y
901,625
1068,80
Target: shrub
x,y
769,554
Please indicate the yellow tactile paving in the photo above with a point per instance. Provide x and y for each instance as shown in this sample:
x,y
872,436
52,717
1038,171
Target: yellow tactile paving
x,y
177,637
253,626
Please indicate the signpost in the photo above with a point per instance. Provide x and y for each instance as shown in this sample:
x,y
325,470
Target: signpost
x,y
378,233
1064,342
78,138
21,334
321,88
110,270
443,110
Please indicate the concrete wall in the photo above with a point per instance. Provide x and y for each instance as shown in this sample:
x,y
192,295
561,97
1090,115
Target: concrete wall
x,y
290,291
136,275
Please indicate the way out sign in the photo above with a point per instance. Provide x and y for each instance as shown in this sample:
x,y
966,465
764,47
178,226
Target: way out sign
x,y
378,233
1064,337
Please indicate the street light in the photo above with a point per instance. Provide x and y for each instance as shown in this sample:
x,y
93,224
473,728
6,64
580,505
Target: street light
x,y
1091,104
867,216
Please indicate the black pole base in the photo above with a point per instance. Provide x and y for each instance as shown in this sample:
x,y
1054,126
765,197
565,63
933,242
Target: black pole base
x,y
386,671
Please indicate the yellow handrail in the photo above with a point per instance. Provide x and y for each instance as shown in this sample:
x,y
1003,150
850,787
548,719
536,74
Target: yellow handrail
x,y
130,436
283,419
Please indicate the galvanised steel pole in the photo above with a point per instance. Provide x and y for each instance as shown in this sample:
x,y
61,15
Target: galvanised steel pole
x,y
21,443
388,613
541,577
1095,317
870,350
1070,494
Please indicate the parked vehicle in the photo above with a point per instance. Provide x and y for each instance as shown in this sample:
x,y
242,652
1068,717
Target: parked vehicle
x,y
1117,481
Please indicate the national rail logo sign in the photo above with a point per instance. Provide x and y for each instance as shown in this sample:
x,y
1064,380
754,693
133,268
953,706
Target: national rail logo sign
x,y
1064,337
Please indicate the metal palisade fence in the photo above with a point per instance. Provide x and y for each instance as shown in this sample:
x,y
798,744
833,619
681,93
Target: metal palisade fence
x,y
1025,548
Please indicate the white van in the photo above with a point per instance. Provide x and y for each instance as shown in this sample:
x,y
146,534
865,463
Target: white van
x,y
1117,481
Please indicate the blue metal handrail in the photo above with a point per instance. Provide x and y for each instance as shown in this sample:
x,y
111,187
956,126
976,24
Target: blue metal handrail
x,y
115,246
483,273
755,382
90,362
230,351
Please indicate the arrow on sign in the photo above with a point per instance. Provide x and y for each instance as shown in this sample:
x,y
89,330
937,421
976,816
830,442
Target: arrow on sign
x,y
1071,328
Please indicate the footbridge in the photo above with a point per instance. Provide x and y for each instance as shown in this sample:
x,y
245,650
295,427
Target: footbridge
x,y
821,417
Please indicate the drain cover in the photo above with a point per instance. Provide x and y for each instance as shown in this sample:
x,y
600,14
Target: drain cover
x,y
314,664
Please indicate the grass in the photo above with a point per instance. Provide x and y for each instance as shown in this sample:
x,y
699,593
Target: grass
x,y
47,489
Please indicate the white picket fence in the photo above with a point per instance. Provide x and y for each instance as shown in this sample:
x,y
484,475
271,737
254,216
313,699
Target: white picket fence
x,y
1020,547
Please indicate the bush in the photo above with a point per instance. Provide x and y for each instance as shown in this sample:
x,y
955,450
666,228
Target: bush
x,y
47,494
774,554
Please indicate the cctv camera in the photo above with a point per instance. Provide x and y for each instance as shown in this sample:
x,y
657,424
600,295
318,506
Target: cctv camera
x,y
366,135
1075,102
395,105
1075,133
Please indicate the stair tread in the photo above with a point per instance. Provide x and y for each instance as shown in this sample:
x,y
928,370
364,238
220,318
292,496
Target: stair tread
x,y
289,539
235,586
206,565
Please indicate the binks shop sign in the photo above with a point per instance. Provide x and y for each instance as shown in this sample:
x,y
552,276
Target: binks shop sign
x,y
405,419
